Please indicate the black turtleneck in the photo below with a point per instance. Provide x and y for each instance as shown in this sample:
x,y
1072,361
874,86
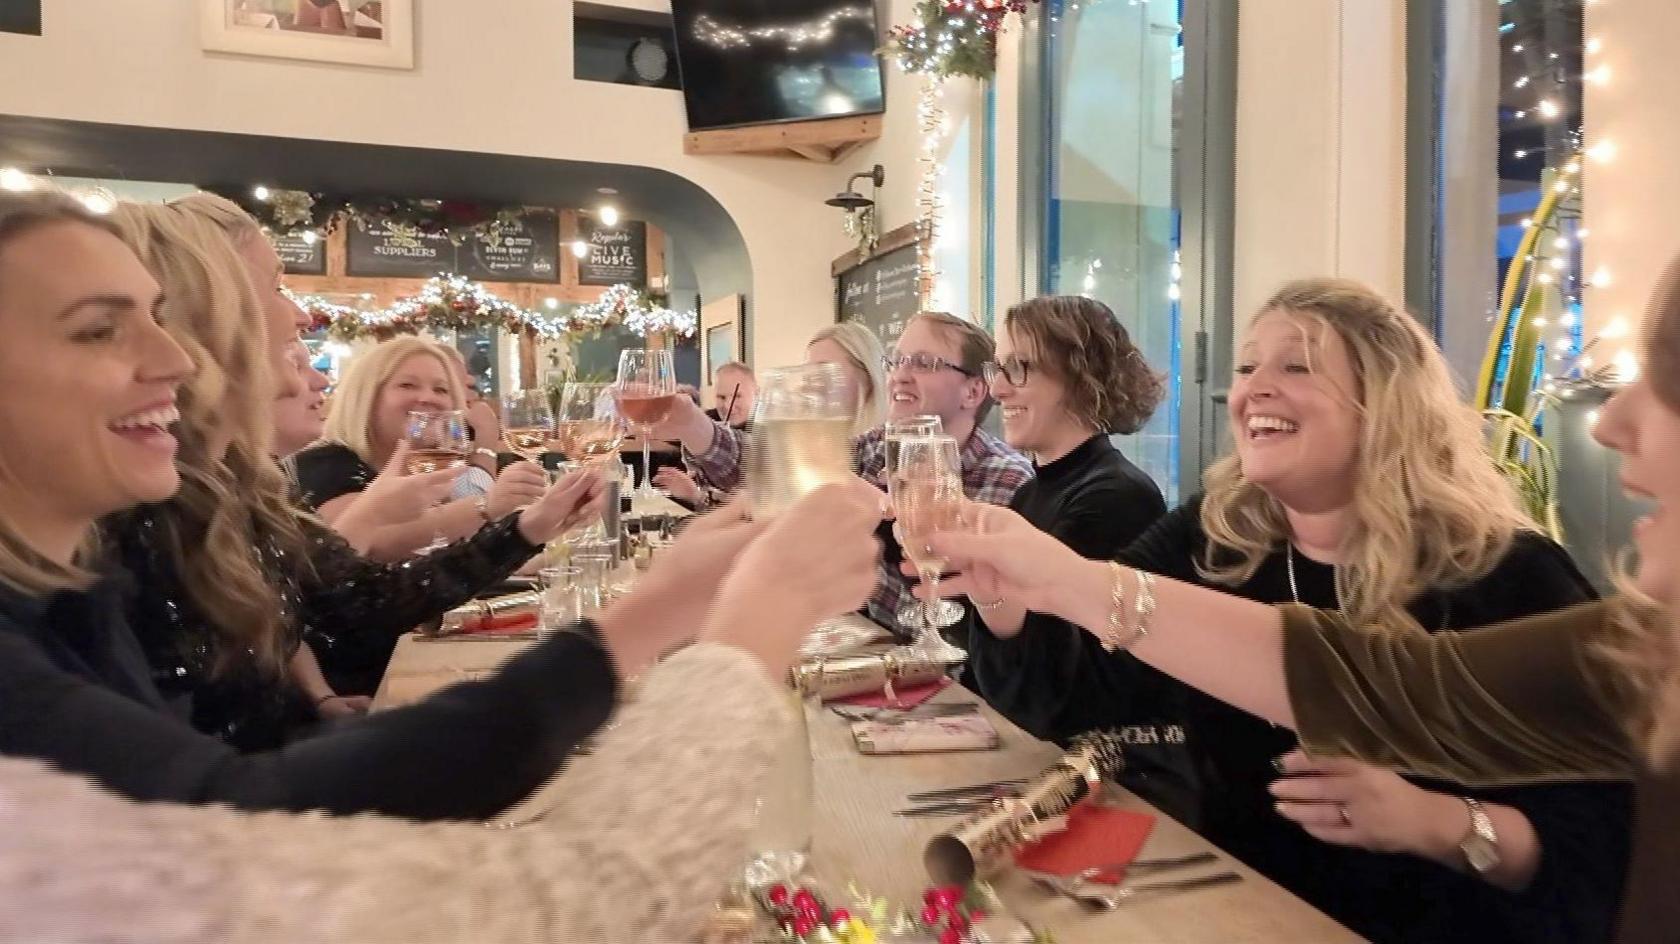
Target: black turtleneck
x,y
1096,502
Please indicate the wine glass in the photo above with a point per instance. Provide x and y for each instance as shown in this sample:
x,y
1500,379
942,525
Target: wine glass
x,y
914,612
647,390
587,422
801,436
437,440
927,496
529,421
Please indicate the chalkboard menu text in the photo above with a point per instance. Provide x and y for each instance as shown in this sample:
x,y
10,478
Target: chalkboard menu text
x,y
381,252
528,251
880,293
301,256
617,254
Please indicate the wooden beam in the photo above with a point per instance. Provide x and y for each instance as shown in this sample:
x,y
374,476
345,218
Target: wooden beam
x,y
811,140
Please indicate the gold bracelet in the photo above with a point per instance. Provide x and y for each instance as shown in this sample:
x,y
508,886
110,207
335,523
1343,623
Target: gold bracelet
x,y
1111,636
987,606
1145,604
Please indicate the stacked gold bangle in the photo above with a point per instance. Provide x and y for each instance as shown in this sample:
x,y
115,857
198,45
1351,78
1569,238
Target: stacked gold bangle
x,y
1118,635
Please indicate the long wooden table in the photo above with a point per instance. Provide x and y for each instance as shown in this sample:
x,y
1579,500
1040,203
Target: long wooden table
x,y
858,839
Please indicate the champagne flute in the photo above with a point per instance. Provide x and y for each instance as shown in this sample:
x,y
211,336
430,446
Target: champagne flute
x,y
529,421
587,422
437,440
914,612
647,390
927,496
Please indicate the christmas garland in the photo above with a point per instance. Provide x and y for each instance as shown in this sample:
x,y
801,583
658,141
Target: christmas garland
x,y
460,304
953,37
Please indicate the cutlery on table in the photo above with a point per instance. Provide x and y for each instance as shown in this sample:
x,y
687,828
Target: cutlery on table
x,y
956,794
1094,899
890,715
1141,866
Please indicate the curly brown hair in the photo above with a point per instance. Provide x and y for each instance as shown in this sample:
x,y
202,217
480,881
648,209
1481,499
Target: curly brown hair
x,y
1081,342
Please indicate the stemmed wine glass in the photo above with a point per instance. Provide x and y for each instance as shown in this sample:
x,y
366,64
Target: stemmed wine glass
x,y
913,612
437,440
530,422
647,390
927,496
588,425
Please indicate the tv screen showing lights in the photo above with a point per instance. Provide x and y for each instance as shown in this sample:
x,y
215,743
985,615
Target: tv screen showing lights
x,y
753,62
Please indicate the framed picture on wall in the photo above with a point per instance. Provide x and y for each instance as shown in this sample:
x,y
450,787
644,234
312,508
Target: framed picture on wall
x,y
355,32
722,346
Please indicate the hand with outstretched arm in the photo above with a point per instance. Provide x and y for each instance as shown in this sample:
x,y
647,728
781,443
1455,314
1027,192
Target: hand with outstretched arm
x,y
1533,699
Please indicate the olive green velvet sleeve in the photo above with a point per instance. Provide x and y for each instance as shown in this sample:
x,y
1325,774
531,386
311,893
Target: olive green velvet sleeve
x,y
1526,701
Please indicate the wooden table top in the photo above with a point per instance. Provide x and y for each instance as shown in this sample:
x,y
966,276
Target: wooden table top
x,y
857,839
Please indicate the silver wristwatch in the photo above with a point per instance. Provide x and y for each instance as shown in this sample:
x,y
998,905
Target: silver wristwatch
x,y
1481,844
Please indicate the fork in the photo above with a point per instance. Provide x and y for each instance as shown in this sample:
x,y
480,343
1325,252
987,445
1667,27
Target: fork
x,y
1148,865
892,715
1108,901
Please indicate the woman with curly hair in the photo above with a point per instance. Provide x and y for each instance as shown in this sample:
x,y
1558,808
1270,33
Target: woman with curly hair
x,y
1358,483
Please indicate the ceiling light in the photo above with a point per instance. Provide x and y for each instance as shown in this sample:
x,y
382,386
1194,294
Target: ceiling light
x,y
608,214
261,193
580,249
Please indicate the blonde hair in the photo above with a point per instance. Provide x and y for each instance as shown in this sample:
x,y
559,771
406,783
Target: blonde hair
x,y
1430,509
1644,638
350,419
864,350
233,496
21,565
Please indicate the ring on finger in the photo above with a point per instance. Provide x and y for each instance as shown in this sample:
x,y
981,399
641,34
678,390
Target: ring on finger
x,y
1342,811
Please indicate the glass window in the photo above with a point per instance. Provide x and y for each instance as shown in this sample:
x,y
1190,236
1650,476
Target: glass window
x,y
1114,77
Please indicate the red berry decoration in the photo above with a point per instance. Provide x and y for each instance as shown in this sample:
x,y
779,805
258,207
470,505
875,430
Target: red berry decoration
x,y
839,917
930,897
803,925
930,915
803,899
950,936
778,895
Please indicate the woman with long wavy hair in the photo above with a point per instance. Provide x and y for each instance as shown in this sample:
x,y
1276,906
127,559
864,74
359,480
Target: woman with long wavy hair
x,y
241,576
1358,483
88,432
1589,692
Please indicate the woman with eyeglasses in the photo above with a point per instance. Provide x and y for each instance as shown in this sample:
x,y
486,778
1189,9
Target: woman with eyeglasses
x,y
1066,376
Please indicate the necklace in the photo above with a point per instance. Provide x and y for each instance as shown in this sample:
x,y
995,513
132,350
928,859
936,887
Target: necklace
x,y
1294,590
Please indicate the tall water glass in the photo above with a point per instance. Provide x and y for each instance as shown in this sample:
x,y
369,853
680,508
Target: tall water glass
x,y
801,436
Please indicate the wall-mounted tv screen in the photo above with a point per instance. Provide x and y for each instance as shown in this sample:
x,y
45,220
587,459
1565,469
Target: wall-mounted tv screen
x,y
748,62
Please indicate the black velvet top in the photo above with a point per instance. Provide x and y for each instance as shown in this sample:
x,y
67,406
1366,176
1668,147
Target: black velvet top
x,y
350,609
1583,827
76,692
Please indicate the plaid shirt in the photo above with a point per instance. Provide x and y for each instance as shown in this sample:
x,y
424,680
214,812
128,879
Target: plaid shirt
x,y
991,473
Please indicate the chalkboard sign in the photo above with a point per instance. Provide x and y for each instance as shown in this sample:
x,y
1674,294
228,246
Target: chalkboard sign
x,y
616,254
299,255
880,293
527,252
379,252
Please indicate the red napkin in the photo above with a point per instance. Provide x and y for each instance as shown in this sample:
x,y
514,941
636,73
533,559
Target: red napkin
x,y
517,623
907,697
1095,835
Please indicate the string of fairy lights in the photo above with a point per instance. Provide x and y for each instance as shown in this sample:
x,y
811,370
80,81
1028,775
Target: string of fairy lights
x,y
713,32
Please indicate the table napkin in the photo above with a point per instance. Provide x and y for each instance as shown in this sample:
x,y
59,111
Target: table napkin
x,y
1095,835
908,697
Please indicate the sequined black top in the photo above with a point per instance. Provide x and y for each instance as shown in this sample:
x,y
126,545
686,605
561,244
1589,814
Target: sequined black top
x,y
350,609
75,692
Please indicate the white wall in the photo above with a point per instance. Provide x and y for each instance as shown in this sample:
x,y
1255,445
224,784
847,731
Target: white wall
x,y
1632,199
489,77
1320,145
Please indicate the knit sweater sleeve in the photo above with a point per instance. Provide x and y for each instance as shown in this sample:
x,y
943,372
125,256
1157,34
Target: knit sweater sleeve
x,y
636,847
